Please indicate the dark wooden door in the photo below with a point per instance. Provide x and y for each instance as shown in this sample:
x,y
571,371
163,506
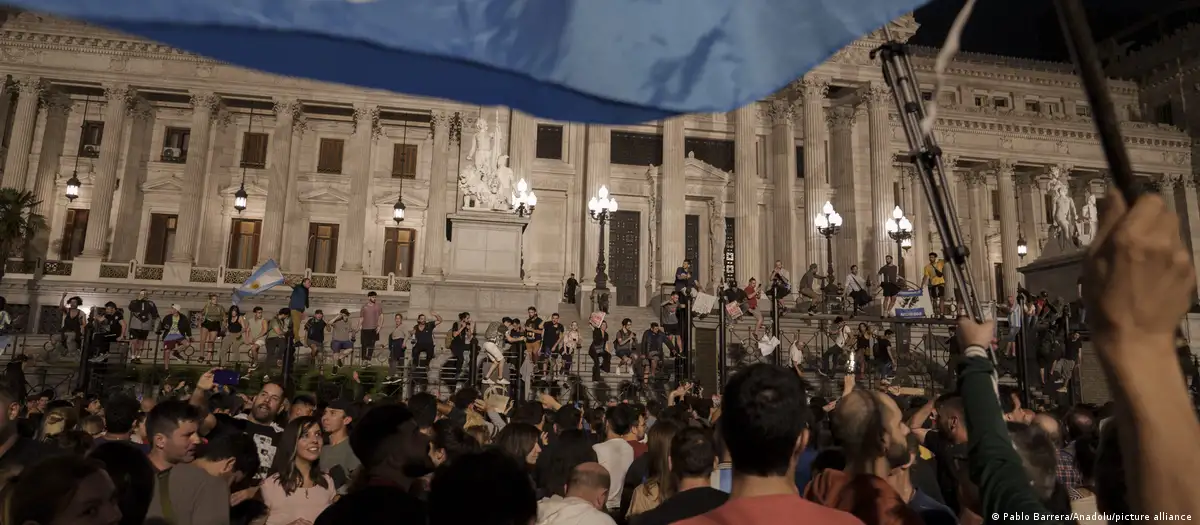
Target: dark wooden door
x,y
624,255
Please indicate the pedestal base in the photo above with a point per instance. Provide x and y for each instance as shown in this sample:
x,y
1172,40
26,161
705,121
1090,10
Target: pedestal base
x,y
349,281
486,247
1056,271
86,268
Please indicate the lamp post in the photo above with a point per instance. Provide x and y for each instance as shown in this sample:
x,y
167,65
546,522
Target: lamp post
x,y
73,183
900,229
828,223
1022,247
524,200
600,209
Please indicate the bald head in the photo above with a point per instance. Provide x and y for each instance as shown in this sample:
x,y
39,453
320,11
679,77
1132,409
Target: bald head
x,y
1050,426
860,421
590,476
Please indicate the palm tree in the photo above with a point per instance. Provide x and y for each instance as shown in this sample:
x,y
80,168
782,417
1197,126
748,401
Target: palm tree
x,y
18,222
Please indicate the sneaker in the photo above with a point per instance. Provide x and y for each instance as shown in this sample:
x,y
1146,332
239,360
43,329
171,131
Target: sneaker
x,y
135,361
177,355
99,358
488,382
391,380
502,382
1062,390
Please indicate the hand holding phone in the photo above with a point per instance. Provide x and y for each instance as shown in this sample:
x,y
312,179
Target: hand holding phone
x,y
226,377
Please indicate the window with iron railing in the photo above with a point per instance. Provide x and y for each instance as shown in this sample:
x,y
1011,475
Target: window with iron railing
x,y
322,247
399,246
161,241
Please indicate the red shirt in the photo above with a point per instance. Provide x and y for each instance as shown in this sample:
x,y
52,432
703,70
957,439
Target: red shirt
x,y
750,298
784,509
639,448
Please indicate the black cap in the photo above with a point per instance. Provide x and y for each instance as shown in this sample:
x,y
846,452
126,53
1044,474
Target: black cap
x,y
345,405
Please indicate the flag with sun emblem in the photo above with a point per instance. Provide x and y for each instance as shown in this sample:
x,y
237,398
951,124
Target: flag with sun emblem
x,y
264,278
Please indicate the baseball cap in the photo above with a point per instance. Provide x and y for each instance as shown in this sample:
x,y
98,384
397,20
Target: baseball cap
x,y
345,405
177,307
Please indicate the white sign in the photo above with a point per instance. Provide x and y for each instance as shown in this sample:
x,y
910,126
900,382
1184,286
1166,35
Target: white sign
x,y
911,304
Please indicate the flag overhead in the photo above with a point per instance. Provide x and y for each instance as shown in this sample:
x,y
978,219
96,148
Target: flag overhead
x,y
264,278
610,61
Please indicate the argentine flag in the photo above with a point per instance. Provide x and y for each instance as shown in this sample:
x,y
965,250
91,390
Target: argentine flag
x,y
264,278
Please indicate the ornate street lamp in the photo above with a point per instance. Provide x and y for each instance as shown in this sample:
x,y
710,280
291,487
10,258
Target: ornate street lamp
x,y
1022,247
601,208
73,182
828,223
523,201
240,197
398,208
900,229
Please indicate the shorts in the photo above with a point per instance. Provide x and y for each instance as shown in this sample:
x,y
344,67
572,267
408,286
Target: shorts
x,y
338,346
492,351
671,329
937,291
138,335
170,345
260,342
624,352
316,344
211,326
890,289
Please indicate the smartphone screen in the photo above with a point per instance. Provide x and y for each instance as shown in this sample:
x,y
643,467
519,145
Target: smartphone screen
x,y
226,377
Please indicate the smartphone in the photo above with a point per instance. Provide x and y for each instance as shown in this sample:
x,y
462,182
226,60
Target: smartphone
x,y
226,377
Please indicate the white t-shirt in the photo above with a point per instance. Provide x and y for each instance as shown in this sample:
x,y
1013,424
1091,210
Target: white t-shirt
x,y
796,354
615,455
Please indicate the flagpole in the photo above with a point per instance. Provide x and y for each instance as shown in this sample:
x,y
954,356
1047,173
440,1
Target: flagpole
x,y
289,352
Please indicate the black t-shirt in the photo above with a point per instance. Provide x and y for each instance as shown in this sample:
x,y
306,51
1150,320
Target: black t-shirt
x,y
881,351
943,457
266,439
534,323
682,506
374,504
462,339
315,329
423,334
1072,350
552,331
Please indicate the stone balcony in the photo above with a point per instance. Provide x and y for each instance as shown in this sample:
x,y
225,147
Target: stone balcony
x,y
135,275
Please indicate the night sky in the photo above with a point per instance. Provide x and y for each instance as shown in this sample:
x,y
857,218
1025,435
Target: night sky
x,y
1027,28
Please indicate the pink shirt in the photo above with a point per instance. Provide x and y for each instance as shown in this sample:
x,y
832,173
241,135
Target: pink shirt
x,y
302,504
370,316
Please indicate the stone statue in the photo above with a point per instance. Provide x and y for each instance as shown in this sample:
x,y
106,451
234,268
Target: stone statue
x,y
1065,218
503,186
652,234
486,183
1087,224
716,230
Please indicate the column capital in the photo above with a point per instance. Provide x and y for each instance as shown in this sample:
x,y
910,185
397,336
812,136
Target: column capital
x,y
876,94
366,119
142,111
1169,180
1059,170
813,86
950,161
119,93
1003,167
56,103
973,178
438,120
781,111
1189,180
205,101
841,116
29,85
289,107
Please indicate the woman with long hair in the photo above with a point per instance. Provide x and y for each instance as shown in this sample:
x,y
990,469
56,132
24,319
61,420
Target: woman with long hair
x,y
599,352
522,442
863,339
569,346
57,421
234,324
62,490
296,488
658,485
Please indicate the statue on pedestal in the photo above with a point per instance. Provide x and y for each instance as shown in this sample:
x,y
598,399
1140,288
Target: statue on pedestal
x,y
1065,225
1087,224
486,183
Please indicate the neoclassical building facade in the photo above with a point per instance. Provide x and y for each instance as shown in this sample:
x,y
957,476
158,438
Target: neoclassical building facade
x,y
162,140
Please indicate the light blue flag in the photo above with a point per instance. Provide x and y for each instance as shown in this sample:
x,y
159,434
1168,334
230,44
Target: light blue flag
x,y
264,278
607,61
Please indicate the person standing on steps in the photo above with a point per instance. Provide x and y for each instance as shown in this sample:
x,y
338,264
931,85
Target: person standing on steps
x,y
369,327
296,306
423,338
74,321
889,282
934,275
210,326
175,329
142,315
572,289
397,338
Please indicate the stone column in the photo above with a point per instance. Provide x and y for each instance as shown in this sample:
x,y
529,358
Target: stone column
x,y
1166,188
20,142
187,232
878,98
783,177
841,159
674,188
104,179
54,134
596,171
361,146
977,231
296,217
816,131
1032,189
1006,190
129,212
1189,183
522,146
279,174
6,90
435,214
922,224
745,207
